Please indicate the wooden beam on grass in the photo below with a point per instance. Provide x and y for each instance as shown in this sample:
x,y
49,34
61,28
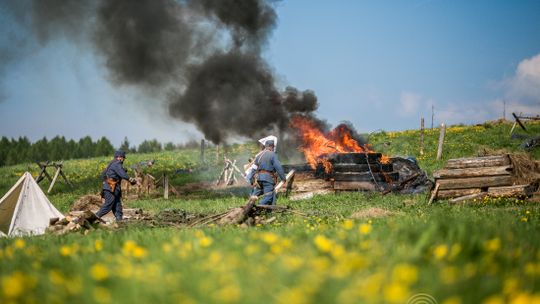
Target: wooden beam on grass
x,y
475,182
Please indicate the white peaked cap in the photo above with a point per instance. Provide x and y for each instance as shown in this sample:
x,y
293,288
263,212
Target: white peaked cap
x,y
267,138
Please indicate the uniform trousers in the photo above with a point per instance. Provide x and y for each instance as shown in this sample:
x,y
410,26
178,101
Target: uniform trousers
x,y
112,202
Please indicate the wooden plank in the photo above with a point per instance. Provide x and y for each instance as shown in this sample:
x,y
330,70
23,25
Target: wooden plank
x,y
54,180
362,167
434,193
473,172
366,177
366,186
477,162
355,158
443,194
468,197
476,182
517,190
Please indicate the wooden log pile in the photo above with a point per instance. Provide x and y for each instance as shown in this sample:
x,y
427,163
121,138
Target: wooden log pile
x,y
476,177
361,171
86,221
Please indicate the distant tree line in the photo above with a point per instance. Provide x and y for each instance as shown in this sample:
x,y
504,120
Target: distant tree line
x,y
21,150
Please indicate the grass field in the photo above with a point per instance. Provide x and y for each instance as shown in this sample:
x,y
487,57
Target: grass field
x,y
487,252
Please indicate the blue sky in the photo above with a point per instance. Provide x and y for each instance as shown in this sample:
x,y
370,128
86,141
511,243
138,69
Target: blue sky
x,y
377,64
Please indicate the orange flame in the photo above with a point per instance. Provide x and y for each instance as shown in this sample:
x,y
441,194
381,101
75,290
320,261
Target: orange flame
x,y
317,145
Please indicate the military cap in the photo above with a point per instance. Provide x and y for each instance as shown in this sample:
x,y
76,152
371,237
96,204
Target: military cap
x,y
119,153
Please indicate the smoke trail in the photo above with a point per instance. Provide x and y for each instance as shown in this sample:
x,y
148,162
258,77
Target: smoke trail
x,y
205,54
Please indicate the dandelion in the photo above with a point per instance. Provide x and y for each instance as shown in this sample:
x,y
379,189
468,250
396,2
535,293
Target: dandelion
x,y
66,251
405,273
348,224
99,272
440,251
492,245
13,285
323,244
205,241
395,293
19,243
98,245
269,238
139,252
364,229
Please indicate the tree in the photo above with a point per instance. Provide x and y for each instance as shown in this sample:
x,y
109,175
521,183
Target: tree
x,y
124,146
40,150
103,147
86,147
169,146
57,148
148,146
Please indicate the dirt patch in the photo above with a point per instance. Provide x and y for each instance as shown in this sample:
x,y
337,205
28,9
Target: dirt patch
x,y
89,202
371,213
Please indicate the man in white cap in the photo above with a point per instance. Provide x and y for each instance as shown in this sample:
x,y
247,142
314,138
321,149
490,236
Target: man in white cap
x,y
268,170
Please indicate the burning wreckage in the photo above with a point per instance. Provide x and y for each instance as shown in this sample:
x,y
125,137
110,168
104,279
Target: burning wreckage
x,y
336,161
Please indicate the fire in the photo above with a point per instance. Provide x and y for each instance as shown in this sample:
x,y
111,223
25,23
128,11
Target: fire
x,y
317,145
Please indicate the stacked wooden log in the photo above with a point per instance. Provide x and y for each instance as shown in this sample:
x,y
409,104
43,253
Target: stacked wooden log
x,y
469,178
361,171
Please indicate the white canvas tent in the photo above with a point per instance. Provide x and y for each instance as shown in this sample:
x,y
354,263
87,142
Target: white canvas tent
x,y
25,210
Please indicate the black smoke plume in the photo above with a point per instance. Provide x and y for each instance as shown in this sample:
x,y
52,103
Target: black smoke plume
x,y
206,54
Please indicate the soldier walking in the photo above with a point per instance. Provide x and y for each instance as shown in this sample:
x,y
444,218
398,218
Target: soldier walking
x,y
268,170
111,191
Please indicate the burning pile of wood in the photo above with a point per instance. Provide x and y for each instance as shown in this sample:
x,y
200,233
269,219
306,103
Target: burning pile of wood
x,y
361,171
470,178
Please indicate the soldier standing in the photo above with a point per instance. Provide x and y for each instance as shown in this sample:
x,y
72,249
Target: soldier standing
x,y
268,170
111,191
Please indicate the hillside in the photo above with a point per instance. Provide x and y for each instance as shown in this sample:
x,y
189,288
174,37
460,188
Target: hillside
x,y
348,248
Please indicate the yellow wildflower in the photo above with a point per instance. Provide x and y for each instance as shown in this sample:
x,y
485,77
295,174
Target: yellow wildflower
x,y
99,272
205,241
98,245
395,293
405,273
440,251
19,243
13,285
66,251
492,245
348,224
323,244
364,229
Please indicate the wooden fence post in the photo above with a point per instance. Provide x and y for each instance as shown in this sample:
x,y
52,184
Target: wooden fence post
x,y
441,141
165,187
422,136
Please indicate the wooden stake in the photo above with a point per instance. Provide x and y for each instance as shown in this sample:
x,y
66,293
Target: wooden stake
x,y
54,179
422,136
165,187
441,141
434,194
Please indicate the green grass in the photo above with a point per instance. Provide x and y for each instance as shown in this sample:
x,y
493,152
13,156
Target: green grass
x,y
488,251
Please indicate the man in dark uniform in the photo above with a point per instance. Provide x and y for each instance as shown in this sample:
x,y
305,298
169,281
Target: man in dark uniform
x,y
268,170
111,192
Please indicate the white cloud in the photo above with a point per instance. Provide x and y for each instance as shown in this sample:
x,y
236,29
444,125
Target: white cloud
x,y
524,87
409,103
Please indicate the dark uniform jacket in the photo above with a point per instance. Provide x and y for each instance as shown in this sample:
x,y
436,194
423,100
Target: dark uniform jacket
x,y
116,172
267,160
